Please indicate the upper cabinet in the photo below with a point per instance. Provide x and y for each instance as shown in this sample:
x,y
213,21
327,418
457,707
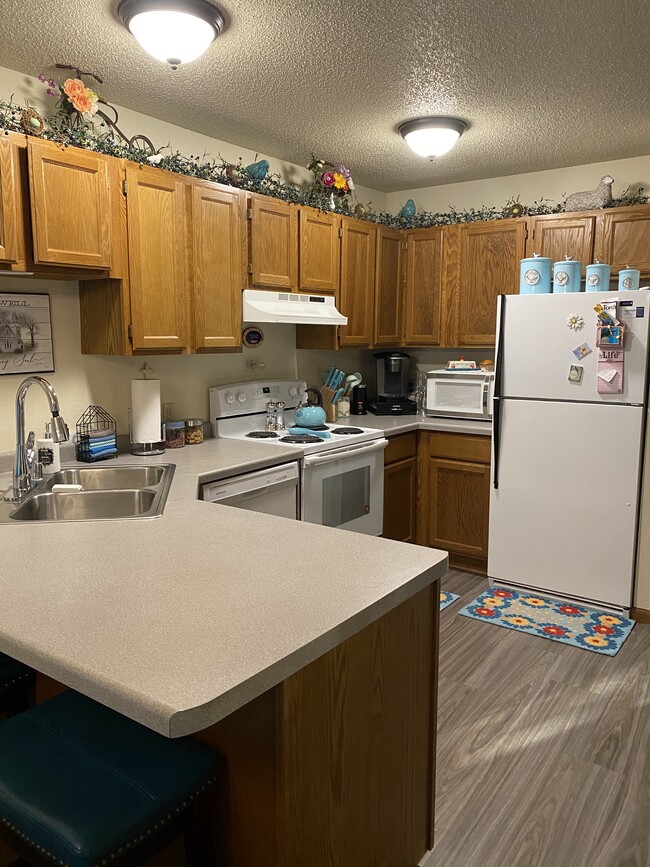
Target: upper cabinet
x,y
357,294
623,237
218,271
158,278
70,206
423,287
319,251
273,244
557,235
10,193
489,266
388,287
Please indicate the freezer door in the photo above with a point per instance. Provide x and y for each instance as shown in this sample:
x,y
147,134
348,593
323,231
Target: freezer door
x,y
564,516
535,346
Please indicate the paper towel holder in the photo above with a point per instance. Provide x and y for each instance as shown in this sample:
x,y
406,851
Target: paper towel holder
x,y
150,448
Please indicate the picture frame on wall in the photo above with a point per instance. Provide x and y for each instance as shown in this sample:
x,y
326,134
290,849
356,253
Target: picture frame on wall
x,y
25,333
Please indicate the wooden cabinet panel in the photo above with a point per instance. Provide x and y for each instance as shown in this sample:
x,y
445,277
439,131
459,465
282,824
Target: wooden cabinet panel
x,y
273,244
218,266
388,287
357,282
401,447
459,496
558,236
10,190
623,237
71,206
157,229
320,251
489,266
399,500
423,289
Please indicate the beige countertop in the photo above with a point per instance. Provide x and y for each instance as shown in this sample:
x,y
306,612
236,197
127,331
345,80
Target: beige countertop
x,y
177,621
393,425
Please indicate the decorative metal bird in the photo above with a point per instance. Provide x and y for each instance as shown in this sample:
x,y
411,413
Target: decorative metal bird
x,y
408,210
258,170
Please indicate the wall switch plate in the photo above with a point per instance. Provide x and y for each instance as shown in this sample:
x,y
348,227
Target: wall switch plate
x,y
168,411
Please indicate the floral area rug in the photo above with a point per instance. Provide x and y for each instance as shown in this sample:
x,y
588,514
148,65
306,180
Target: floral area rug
x,y
447,598
600,631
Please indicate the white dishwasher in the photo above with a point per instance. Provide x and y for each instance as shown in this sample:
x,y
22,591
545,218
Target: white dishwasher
x,y
273,491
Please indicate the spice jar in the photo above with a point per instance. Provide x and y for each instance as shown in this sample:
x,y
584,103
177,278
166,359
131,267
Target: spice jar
x,y
193,431
175,434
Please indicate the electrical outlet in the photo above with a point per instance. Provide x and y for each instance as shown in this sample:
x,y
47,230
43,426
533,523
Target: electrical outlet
x,y
168,411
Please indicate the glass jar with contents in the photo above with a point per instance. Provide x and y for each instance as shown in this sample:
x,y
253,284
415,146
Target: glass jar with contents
x,y
193,431
175,434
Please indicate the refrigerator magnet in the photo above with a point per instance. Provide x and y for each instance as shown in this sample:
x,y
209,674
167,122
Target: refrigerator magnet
x,y
582,351
575,322
575,373
610,335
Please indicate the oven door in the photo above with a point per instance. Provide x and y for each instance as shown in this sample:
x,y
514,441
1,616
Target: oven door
x,y
345,488
458,395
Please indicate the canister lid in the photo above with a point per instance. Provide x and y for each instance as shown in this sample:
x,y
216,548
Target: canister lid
x,y
174,425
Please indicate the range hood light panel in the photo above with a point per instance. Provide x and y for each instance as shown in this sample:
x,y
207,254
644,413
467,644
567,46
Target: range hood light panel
x,y
290,308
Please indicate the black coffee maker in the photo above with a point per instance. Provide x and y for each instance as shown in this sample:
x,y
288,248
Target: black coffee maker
x,y
392,385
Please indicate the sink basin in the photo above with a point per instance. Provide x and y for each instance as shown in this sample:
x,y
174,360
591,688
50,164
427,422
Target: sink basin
x,y
109,478
85,505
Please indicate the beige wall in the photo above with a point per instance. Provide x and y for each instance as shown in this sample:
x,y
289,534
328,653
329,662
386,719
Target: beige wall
x,y
555,185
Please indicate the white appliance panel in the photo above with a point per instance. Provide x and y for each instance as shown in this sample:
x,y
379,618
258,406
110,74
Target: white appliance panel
x,y
460,394
272,491
535,354
564,516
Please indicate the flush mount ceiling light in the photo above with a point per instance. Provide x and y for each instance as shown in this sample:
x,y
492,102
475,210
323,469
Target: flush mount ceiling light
x,y
174,31
432,136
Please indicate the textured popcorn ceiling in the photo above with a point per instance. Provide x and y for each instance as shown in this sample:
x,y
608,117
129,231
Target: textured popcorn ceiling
x,y
542,84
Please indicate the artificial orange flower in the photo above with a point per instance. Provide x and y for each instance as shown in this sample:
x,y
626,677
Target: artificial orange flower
x,y
81,103
74,87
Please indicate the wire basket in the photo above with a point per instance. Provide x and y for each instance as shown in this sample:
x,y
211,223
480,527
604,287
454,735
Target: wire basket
x,y
96,438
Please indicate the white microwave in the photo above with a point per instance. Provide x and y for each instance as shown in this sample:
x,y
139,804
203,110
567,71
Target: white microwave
x,y
460,393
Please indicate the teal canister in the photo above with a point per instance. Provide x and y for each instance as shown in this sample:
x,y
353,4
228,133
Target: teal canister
x,y
629,278
566,275
535,275
597,277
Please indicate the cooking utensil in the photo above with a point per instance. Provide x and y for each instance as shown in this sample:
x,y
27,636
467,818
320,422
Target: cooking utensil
x,y
312,415
352,381
338,395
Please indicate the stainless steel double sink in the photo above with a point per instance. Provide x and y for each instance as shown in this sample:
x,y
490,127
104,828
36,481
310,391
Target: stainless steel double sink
x,y
107,493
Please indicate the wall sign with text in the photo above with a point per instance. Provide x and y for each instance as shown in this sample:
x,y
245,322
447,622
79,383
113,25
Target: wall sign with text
x,y
25,333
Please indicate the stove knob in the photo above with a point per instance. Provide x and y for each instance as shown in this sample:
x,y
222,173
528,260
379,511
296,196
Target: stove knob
x,y
241,397
230,398
293,391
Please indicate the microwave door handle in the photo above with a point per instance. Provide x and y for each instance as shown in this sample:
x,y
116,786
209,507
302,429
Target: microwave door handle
x,y
330,457
486,391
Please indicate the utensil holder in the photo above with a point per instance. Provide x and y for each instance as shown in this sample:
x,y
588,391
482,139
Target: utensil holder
x,y
331,411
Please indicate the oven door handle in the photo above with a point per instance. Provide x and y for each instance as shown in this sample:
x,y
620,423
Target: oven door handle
x,y
342,454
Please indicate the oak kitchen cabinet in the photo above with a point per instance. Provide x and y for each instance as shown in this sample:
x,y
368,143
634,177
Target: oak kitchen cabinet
x,y
389,263
10,193
423,287
454,497
557,235
400,488
319,251
273,243
623,237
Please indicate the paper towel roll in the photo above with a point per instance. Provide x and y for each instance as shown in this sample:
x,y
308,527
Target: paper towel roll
x,y
145,411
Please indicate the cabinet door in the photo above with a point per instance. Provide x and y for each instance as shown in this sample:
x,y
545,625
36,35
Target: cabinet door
x,y
157,229
70,203
489,266
459,502
218,273
357,282
274,244
388,287
623,238
558,236
423,301
399,500
320,251
9,190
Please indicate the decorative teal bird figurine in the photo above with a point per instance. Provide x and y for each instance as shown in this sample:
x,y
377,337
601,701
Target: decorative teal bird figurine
x,y
408,210
258,170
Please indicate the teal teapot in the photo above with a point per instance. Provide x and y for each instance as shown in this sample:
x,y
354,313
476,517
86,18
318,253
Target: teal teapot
x,y
312,415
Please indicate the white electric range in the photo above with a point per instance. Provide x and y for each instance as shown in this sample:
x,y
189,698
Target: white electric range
x,y
342,467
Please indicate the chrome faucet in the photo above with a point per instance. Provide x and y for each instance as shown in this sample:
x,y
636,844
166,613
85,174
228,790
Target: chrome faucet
x,y
27,469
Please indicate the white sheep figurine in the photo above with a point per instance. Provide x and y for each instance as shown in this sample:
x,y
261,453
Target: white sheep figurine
x,y
590,199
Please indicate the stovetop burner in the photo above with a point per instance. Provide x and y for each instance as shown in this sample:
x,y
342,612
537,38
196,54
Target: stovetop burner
x,y
301,439
262,435
342,431
312,427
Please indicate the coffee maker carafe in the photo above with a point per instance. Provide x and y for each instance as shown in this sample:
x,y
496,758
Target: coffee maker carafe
x,y
392,385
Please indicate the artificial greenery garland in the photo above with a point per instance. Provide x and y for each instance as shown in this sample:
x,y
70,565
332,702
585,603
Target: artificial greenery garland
x,y
101,139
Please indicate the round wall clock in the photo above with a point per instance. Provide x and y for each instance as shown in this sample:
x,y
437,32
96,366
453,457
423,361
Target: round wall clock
x,y
252,337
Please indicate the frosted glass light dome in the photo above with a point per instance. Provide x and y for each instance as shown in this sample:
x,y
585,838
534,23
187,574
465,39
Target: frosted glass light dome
x,y
172,31
432,137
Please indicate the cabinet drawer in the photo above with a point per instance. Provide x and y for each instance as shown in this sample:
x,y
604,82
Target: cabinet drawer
x,y
401,447
462,447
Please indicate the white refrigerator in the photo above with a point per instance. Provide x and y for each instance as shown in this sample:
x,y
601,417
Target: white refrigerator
x,y
567,446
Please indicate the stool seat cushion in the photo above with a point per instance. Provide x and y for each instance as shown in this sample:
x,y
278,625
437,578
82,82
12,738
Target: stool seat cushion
x,y
13,672
83,784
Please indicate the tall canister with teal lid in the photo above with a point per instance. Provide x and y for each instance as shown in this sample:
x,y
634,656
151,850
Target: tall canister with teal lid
x,y
597,277
628,278
566,275
535,275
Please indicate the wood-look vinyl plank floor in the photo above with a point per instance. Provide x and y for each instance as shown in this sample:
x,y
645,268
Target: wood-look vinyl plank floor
x,y
543,749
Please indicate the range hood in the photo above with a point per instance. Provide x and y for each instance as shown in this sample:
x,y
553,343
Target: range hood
x,y
291,308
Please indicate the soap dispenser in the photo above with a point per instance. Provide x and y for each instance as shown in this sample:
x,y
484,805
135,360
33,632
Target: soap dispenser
x,y
49,452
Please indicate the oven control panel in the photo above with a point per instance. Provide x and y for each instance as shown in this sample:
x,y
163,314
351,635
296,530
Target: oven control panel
x,y
246,398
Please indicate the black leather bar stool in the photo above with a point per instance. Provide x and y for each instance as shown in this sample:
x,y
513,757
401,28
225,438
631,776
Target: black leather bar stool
x,y
83,786
16,686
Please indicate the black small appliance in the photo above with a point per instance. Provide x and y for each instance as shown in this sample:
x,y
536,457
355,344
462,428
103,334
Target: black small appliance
x,y
359,402
392,385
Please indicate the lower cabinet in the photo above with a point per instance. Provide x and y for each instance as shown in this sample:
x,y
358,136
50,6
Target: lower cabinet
x,y
454,497
400,488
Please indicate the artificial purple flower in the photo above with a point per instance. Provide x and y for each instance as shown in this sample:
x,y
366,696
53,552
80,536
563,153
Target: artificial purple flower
x,y
328,179
52,82
41,77
51,92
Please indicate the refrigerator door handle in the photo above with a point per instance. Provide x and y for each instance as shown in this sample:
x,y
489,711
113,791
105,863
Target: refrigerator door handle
x,y
496,400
